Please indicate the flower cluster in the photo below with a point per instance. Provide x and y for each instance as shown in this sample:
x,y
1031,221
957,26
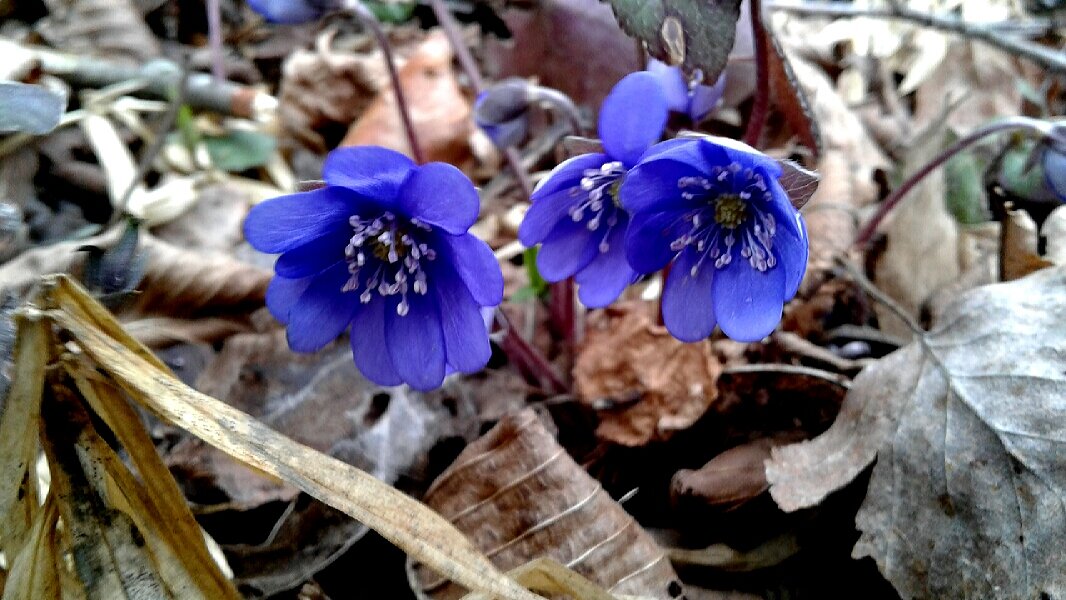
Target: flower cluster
x,y
384,248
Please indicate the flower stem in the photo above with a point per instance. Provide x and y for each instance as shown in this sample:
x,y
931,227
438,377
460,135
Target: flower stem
x,y
1044,128
214,35
760,107
527,358
370,21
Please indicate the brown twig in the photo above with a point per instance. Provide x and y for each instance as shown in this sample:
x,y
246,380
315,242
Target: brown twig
x,y
371,22
992,34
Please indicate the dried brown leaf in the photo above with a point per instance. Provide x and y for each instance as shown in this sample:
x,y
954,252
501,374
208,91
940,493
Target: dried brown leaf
x,y
214,222
519,495
34,571
1020,256
978,82
439,111
730,479
966,423
663,385
108,28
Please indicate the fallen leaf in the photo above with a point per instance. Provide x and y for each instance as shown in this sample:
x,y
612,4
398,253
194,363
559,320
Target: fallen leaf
x,y
440,113
966,424
518,495
659,384
730,479
1019,254
106,28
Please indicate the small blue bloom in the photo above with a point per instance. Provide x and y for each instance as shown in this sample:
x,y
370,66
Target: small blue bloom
x,y
695,100
1054,164
291,12
502,112
577,216
383,248
715,208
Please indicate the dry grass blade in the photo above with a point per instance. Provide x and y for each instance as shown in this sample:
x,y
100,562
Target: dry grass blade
x,y
547,576
18,440
33,572
407,523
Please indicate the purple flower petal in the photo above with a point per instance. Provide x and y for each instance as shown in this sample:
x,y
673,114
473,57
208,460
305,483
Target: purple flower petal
x,y
476,265
315,256
282,294
545,213
286,222
288,12
673,85
653,186
466,339
415,342
723,151
441,195
608,275
748,302
368,344
687,311
648,239
568,174
790,241
323,311
705,98
632,117
568,249
1054,164
372,171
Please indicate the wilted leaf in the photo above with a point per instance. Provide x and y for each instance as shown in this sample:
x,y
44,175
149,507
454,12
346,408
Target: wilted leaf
x,y
693,34
728,480
34,572
240,149
800,183
518,495
967,426
660,384
29,108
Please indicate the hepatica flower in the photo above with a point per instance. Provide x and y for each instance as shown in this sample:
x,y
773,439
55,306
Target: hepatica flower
x,y
695,100
577,215
292,12
715,208
1054,164
384,248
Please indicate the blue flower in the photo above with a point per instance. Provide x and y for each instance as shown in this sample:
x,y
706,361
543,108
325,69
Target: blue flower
x,y
715,208
502,112
697,101
1054,164
383,248
291,12
576,214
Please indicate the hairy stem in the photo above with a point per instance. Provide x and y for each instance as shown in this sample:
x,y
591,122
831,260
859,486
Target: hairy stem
x,y
1043,128
760,107
994,34
214,35
370,21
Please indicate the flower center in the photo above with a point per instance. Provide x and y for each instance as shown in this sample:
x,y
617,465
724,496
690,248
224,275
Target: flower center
x,y
597,199
386,257
730,209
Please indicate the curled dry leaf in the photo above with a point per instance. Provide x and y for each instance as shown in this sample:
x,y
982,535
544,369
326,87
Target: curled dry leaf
x,y
966,424
730,479
518,495
661,385
848,161
1020,255
440,112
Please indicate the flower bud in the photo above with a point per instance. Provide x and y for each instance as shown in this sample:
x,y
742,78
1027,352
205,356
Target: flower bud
x,y
502,112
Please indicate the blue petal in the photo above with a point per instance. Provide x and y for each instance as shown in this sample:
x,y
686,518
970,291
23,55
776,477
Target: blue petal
x,y
315,256
632,117
466,338
608,275
282,294
286,222
673,84
648,239
568,173
790,241
568,249
289,12
705,98
441,195
368,344
372,171
687,311
748,302
1054,164
653,186
476,265
415,342
323,311
723,151
545,213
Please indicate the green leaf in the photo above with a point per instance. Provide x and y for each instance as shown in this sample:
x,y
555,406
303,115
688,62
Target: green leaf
x,y
536,283
240,149
391,12
693,33
1019,174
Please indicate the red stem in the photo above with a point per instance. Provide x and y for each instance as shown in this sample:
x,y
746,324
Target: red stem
x,y
760,108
